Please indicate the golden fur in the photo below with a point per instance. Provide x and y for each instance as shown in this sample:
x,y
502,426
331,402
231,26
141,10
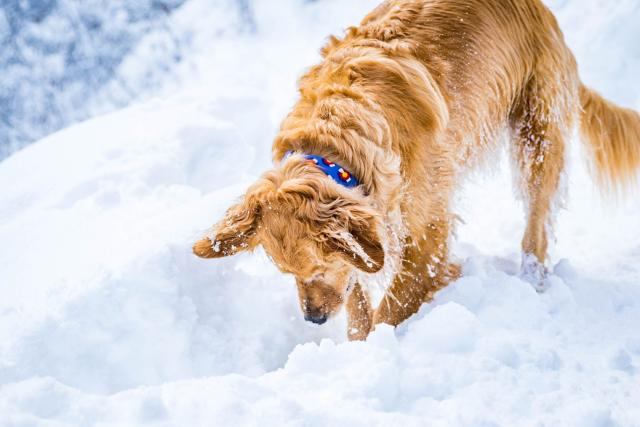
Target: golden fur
x,y
408,102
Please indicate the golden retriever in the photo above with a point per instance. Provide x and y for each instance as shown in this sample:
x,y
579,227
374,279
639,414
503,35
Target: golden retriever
x,y
407,103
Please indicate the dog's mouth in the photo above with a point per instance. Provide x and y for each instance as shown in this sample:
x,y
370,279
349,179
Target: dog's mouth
x,y
319,301
319,314
317,319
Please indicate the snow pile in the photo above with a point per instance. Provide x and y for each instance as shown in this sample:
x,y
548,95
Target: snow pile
x,y
107,319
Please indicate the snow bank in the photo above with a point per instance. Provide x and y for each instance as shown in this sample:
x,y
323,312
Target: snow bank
x,y
107,319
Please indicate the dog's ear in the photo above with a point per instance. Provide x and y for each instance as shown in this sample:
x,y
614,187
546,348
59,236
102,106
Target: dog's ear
x,y
359,244
235,233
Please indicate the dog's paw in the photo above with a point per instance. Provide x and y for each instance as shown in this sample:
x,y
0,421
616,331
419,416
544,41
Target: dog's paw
x,y
535,272
357,334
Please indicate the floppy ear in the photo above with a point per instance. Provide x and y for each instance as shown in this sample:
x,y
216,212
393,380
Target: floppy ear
x,y
235,233
359,245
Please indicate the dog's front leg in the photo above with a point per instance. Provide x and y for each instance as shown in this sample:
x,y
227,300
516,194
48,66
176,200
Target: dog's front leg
x,y
359,314
425,270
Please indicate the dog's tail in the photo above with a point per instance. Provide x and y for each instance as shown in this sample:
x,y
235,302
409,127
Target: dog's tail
x,y
613,135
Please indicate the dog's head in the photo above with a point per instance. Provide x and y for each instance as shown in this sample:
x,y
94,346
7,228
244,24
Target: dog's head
x,y
310,227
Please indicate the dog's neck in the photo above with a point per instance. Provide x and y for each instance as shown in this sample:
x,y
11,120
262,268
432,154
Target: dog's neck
x,y
333,170
361,153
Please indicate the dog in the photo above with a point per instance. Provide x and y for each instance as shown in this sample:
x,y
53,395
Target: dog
x,y
384,131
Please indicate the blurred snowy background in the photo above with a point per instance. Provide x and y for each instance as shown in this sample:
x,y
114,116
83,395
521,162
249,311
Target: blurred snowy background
x,y
107,319
63,61
67,60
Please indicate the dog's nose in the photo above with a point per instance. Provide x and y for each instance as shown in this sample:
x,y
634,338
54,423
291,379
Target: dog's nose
x,y
318,320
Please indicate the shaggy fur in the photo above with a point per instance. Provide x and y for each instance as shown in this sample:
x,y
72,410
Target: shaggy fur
x,y
408,102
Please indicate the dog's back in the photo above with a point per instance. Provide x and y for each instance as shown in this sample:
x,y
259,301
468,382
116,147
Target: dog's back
x,y
482,54
488,57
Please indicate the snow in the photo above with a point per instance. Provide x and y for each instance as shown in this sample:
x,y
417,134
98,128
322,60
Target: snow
x,y
57,54
106,318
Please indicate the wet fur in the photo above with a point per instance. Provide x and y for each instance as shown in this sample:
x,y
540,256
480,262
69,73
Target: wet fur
x,y
409,101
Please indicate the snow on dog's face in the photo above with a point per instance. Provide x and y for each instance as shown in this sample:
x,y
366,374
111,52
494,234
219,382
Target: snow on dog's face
x,y
310,227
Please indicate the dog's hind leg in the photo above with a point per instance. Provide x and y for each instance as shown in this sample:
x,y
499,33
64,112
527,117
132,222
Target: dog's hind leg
x,y
540,122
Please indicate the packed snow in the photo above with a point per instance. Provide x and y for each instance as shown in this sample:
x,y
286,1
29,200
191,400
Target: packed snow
x,y
106,318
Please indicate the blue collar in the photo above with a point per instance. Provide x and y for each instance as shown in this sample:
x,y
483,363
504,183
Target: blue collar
x,y
333,170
